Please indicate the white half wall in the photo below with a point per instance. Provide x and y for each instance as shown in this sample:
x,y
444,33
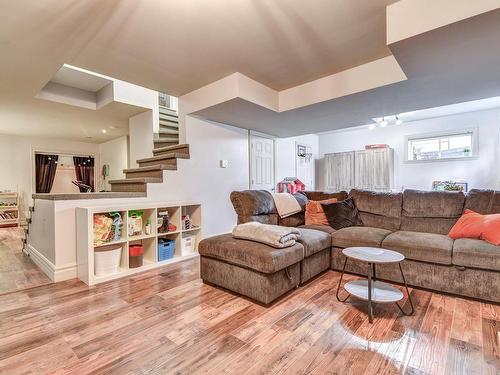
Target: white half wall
x,y
481,172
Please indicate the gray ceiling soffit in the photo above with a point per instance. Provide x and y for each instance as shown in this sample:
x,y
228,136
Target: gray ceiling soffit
x,y
456,63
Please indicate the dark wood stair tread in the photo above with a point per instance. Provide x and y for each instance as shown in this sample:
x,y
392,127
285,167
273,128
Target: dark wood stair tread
x,y
172,155
136,180
170,148
159,167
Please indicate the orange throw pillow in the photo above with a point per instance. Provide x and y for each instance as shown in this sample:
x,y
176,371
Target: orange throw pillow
x,y
475,225
315,214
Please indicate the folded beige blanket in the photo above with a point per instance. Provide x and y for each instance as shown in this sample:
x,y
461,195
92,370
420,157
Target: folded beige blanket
x,y
286,204
272,235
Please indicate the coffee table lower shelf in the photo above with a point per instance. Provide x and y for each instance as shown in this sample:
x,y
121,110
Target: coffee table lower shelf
x,y
381,292
371,289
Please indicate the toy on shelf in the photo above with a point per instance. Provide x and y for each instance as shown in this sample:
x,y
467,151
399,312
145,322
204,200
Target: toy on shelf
x,y
107,227
290,185
186,222
163,221
135,223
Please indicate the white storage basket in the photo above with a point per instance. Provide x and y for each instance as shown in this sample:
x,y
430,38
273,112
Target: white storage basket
x,y
188,245
107,260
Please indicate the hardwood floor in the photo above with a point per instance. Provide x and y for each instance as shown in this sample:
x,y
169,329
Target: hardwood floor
x,y
167,321
17,271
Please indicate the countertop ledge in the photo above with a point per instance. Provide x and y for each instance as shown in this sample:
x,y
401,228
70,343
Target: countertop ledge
x,y
78,196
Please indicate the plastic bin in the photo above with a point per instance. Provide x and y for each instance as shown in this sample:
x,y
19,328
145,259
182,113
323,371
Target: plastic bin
x,y
188,245
166,249
135,253
107,260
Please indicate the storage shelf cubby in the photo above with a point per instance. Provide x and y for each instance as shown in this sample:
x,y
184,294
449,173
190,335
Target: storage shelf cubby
x,y
9,208
150,211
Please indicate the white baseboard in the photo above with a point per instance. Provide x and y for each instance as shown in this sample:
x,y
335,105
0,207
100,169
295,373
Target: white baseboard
x,y
55,273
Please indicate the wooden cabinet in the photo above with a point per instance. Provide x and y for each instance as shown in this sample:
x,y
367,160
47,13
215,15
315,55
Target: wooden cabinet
x,y
383,169
362,169
339,171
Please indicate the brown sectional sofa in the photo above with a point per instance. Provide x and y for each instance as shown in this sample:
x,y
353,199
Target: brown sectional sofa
x,y
414,223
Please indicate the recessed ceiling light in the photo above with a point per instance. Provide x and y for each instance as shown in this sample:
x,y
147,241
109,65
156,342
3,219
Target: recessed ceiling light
x,y
104,131
371,126
112,127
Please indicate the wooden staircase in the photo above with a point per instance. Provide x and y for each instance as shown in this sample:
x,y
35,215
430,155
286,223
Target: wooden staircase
x,y
151,169
169,128
166,152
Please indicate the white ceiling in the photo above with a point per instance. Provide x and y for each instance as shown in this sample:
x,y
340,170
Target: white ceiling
x,y
69,76
178,46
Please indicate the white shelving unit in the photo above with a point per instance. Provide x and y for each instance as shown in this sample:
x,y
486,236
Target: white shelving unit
x,y
9,206
86,246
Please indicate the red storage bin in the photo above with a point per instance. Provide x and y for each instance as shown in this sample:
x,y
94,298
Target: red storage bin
x,y
135,253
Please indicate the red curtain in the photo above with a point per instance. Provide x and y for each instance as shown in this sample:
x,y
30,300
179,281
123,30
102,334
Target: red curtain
x,y
45,171
84,168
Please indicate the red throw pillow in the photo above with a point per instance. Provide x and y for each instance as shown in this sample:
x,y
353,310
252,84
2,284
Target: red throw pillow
x,y
315,214
475,225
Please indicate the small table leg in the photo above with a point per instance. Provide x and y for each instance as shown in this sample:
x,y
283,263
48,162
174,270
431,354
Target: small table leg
x,y
370,308
407,293
340,283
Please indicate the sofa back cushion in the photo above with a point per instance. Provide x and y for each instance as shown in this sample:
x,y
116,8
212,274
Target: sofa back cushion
x,y
258,205
321,195
314,212
483,201
296,219
378,210
431,211
254,205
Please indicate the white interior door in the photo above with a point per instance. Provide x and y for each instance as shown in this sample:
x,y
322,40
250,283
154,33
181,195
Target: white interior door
x,y
262,163
304,169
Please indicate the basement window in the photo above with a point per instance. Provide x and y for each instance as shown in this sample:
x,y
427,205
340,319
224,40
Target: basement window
x,y
456,145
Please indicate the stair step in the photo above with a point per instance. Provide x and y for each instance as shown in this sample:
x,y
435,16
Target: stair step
x,y
169,124
168,131
167,127
137,184
167,139
135,180
169,118
168,158
180,148
160,144
151,171
167,111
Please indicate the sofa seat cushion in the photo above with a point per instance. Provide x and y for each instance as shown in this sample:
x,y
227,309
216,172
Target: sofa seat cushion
x,y
426,247
324,228
359,236
314,241
250,254
469,252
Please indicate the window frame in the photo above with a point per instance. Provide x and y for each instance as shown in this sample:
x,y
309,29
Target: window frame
x,y
442,134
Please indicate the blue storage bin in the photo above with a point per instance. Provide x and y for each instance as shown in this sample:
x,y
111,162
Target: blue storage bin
x,y
165,249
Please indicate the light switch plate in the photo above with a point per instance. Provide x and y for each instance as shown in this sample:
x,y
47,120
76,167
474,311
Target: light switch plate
x,y
224,163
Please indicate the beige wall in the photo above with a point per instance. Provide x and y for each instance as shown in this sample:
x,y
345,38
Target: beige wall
x,y
16,160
